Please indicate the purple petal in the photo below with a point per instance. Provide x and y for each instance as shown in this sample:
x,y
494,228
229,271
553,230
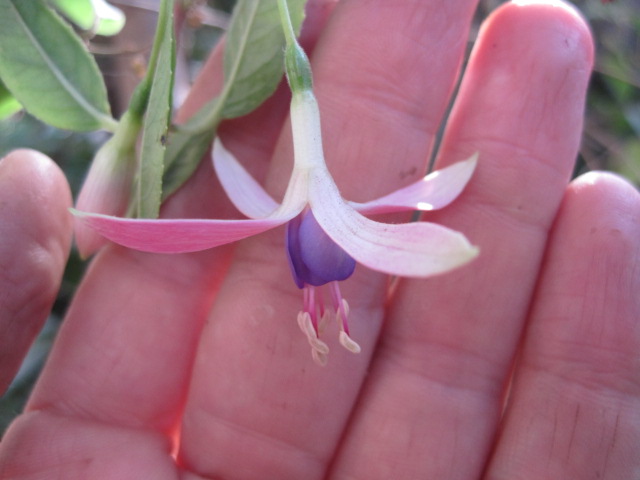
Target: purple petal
x,y
436,190
294,252
241,188
321,255
314,258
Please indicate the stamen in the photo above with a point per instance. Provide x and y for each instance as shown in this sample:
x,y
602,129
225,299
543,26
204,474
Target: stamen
x,y
343,315
301,322
311,305
341,307
304,321
319,358
336,296
326,318
348,343
319,301
305,298
312,326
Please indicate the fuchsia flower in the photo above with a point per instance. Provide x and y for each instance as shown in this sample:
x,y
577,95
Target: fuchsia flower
x,y
326,235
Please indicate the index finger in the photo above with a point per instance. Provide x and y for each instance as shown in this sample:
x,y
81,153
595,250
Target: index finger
x,y
35,231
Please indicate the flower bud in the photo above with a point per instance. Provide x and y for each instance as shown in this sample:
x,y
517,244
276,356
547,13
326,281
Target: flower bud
x,y
297,68
108,184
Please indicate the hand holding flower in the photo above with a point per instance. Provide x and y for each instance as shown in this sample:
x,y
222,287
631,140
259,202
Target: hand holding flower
x,y
189,366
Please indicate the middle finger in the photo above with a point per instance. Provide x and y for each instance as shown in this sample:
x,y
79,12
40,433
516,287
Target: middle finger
x,y
258,406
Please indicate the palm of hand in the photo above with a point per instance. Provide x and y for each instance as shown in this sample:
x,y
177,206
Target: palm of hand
x,y
142,354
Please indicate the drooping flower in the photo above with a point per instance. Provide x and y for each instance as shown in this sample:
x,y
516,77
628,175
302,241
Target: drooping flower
x,y
326,235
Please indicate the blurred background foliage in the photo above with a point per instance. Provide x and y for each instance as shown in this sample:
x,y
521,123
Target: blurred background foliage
x,y
611,137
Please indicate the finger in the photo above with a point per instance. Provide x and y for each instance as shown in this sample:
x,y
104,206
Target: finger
x,y
42,444
130,331
36,234
436,383
124,354
114,385
114,382
573,409
255,387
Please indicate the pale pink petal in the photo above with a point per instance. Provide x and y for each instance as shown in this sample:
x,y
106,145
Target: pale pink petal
x,y
176,236
190,235
417,249
241,188
434,191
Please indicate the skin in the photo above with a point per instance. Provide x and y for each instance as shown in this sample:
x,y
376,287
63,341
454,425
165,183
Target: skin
x,y
521,365
33,251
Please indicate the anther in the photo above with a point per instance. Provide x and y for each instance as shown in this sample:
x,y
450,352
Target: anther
x,y
348,343
319,358
304,321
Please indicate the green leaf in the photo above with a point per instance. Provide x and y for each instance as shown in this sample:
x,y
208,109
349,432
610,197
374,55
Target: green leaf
x,y
185,149
96,15
189,146
47,68
253,67
79,12
156,120
8,104
253,53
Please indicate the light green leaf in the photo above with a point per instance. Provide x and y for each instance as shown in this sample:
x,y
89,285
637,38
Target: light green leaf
x,y
185,149
97,16
253,67
47,68
189,146
156,120
8,104
253,53
79,12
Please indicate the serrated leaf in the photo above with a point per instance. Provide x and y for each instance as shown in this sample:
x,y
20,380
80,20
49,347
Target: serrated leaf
x,y
156,120
47,68
8,104
185,149
253,53
188,147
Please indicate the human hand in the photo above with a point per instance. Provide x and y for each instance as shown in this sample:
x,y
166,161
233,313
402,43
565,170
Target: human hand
x,y
35,236
143,355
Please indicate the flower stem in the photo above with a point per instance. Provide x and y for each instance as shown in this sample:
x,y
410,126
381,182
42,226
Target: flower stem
x,y
296,62
285,18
